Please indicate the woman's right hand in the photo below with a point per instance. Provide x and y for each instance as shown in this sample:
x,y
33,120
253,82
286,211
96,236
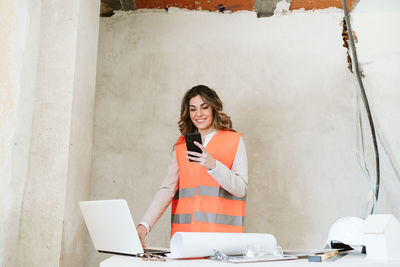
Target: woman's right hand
x,y
142,232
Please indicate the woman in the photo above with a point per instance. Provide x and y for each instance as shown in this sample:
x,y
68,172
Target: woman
x,y
208,194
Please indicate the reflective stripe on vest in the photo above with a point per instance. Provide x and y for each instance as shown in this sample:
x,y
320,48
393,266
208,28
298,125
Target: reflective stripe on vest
x,y
218,218
181,218
201,204
216,192
202,190
208,218
185,192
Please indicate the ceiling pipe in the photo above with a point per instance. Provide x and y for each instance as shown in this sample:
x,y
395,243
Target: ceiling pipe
x,y
363,96
265,8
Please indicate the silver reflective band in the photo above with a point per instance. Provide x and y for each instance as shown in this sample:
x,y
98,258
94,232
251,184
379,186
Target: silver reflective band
x,y
218,218
185,192
216,192
181,218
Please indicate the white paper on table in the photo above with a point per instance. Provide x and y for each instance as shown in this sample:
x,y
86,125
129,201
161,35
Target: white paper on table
x,y
194,244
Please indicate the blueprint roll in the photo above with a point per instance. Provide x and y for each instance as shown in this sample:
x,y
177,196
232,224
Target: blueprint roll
x,y
194,245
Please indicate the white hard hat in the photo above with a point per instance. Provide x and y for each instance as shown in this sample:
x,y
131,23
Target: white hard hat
x,y
348,231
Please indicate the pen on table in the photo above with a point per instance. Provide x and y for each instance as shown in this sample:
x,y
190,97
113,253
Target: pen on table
x,y
323,257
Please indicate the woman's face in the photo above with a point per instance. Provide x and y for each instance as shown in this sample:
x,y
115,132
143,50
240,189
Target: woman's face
x,y
201,114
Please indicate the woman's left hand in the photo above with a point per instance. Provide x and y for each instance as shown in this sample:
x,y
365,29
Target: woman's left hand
x,y
204,159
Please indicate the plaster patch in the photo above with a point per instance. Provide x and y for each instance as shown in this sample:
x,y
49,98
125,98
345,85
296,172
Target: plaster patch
x,y
7,26
282,7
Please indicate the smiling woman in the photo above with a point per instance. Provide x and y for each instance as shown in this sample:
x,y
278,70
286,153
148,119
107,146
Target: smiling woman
x,y
203,97
201,115
208,194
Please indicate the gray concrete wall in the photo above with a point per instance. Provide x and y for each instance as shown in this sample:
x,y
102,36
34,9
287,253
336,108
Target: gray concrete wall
x,y
19,38
81,133
44,196
379,61
46,102
284,81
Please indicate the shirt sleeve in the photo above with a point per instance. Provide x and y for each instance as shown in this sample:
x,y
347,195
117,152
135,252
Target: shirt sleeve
x,y
164,195
233,180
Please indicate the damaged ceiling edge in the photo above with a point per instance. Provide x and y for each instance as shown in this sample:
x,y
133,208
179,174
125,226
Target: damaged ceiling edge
x,y
263,8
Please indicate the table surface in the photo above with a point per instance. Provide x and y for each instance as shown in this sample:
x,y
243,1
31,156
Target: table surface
x,y
351,259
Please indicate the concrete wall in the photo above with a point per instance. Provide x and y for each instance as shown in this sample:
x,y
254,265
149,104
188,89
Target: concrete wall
x,y
284,81
48,54
379,56
81,133
19,38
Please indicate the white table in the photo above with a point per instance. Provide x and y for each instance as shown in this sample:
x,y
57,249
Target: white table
x,y
352,259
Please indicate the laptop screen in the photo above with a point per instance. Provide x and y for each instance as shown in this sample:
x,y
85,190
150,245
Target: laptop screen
x,y
111,226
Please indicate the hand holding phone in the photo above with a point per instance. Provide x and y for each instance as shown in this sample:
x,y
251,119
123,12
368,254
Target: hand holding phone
x,y
190,138
205,160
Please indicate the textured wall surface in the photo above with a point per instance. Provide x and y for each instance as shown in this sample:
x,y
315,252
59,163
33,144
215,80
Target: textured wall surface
x,y
378,50
7,126
284,81
81,134
19,35
42,219
50,55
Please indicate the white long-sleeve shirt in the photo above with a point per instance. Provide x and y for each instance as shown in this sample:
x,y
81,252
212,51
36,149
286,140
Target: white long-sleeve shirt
x,y
233,180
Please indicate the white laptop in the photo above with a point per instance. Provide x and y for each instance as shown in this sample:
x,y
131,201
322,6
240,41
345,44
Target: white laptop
x,y
111,227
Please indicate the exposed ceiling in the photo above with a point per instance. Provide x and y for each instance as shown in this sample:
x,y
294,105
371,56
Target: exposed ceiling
x,y
264,8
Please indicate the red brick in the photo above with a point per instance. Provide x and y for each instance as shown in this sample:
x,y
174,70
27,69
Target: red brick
x,y
197,4
320,4
150,4
212,4
189,4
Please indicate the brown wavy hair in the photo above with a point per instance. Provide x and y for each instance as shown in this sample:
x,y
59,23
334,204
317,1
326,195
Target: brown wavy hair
x,y
221,121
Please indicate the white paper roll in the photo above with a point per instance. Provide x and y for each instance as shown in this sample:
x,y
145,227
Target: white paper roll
x,y
192,245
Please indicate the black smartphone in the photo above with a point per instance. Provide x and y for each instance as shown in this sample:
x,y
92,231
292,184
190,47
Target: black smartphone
x,y
190,146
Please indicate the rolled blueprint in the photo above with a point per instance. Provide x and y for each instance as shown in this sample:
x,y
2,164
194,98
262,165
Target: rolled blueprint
x,y
193,245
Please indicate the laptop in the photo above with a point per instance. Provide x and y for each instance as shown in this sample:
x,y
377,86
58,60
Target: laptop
x,y
112,229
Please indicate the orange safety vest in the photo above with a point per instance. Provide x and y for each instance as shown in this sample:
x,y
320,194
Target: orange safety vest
x,y
200,203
